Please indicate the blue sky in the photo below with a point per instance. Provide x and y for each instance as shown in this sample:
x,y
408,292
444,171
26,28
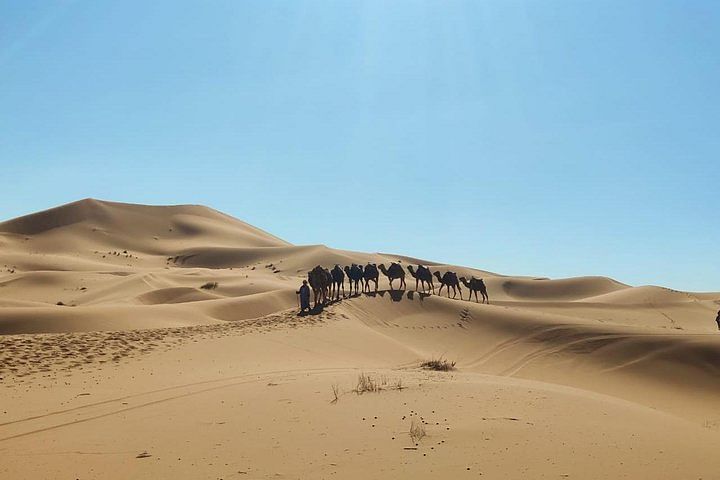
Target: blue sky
x,y
553,138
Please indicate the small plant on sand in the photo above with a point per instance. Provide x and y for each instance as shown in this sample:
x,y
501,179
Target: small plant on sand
x,y
438,364
417,431
336,392
366,383
209,286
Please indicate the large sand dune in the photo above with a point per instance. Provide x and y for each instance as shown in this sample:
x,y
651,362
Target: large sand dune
x,y
115,363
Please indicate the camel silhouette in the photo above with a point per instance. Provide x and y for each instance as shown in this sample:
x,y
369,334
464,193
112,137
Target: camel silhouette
x,y
355,275
318,281
329,288
394,272
476,285
338,280
448,280
422,275
370,274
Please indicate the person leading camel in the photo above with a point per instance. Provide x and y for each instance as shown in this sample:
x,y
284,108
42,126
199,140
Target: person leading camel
x,y
304,293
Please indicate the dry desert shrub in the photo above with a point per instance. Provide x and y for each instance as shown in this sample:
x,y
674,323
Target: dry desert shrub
x,y
366,383
336,392
438,364
209,286
417,431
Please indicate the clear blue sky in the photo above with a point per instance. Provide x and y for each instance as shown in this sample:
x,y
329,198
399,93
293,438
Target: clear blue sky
x,y
553,138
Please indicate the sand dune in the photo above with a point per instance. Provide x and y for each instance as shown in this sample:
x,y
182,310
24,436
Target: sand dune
x,y
116,363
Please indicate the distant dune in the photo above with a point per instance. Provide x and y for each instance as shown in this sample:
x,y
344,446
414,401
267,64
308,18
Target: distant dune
x,y
111,351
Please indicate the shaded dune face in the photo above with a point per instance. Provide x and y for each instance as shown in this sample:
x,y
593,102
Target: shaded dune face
x,y
565,289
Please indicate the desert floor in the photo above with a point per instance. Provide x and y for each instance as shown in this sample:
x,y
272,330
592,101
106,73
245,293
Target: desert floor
x,y
114,363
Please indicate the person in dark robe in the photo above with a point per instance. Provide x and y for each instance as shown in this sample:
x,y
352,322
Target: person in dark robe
x,y
304,293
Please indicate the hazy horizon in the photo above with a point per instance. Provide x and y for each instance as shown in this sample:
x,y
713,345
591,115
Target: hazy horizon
x,y
549,139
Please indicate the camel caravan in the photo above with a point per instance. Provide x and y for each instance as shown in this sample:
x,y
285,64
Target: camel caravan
x,y
327,284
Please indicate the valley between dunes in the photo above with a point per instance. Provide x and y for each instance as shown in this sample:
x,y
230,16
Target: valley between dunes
x,y
114,363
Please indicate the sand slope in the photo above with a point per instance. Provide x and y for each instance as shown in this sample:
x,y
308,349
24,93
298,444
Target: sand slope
x,y
115,363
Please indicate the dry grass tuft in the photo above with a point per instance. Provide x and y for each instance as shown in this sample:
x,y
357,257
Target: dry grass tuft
x,y
336,392
209,286
438,364
417,431
366,383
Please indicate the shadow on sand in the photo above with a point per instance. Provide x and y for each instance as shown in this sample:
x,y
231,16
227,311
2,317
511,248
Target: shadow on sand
x,y
395,296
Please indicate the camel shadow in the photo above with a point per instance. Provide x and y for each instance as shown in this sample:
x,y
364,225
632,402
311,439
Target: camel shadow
x,y
421,295
395,295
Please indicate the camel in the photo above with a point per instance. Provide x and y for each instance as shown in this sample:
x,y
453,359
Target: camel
x,y
355,275
330,285
370,274
394,272
338,280
422,275
476,285
318,282
448,280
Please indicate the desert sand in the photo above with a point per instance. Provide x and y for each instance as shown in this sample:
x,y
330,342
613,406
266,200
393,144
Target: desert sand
x,y
115,364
